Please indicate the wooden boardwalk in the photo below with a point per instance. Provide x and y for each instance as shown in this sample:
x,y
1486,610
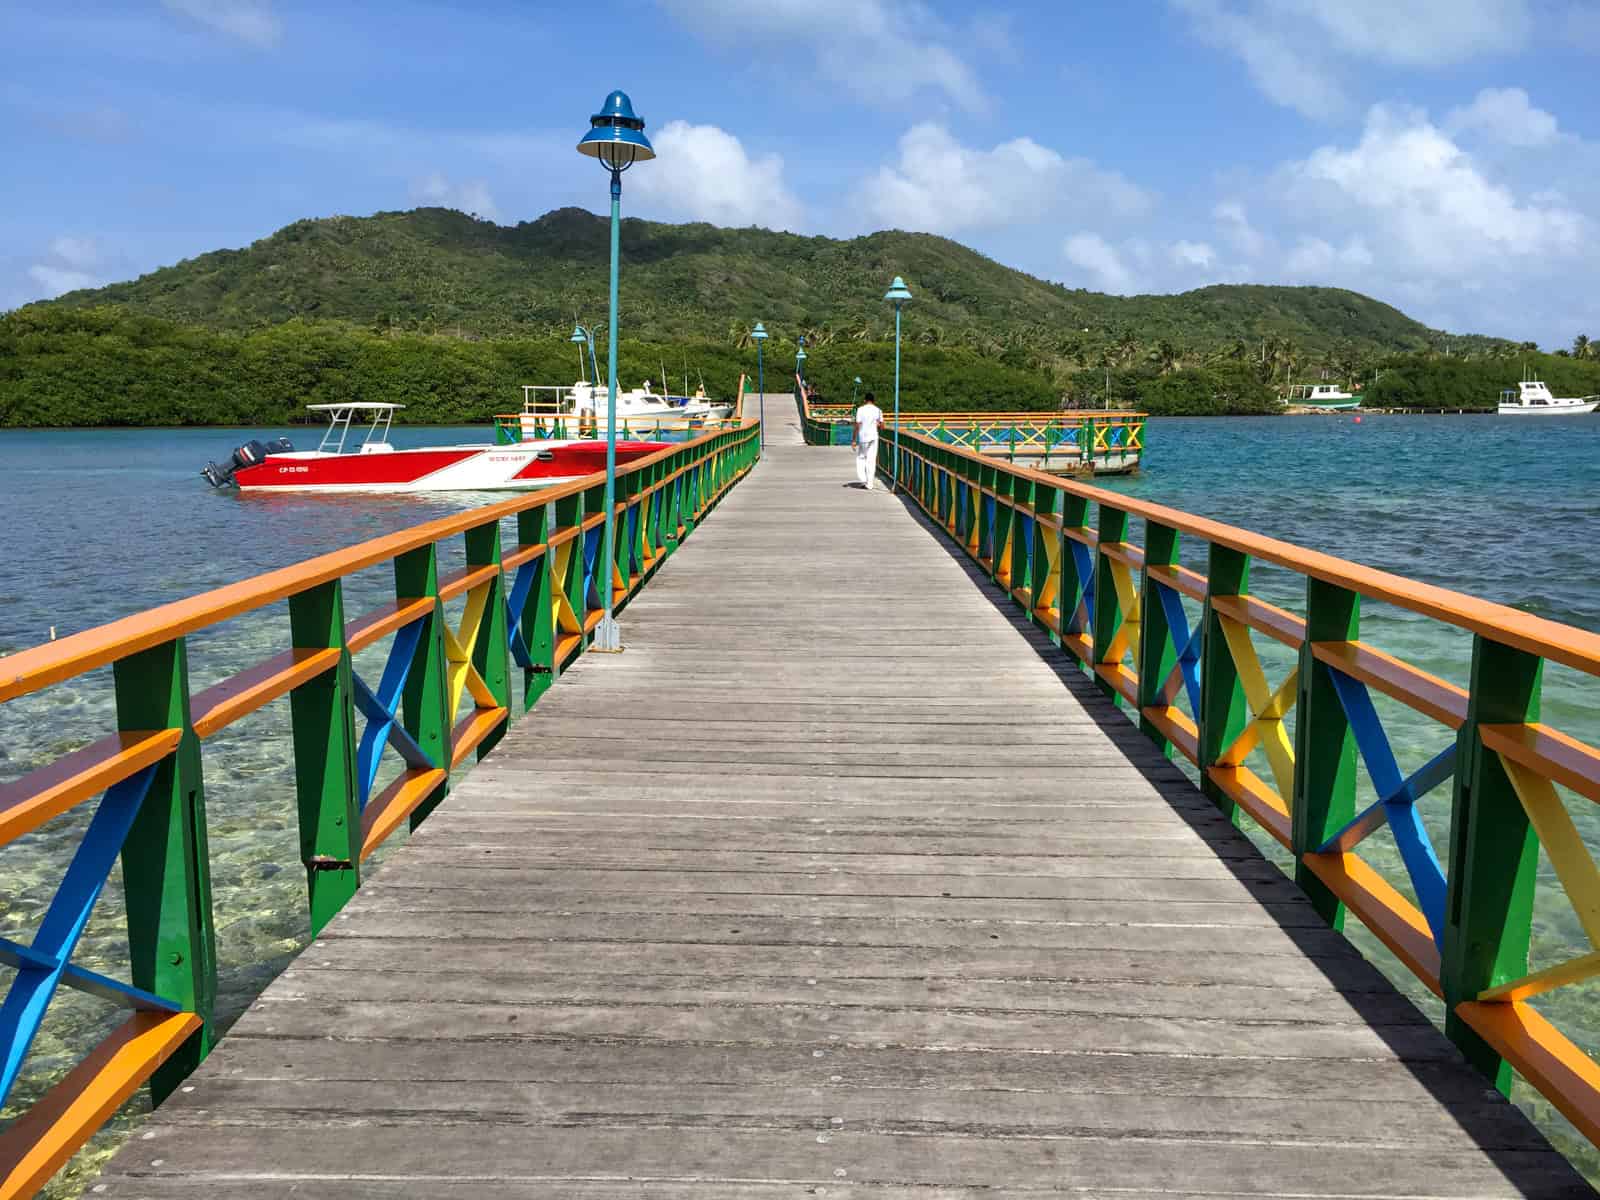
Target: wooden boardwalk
x,y
834,885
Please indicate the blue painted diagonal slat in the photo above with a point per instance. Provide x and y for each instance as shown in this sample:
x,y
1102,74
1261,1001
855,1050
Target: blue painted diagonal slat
x,y
1397,799
1186,642
1083,560
380,707
591,551
521,585
64,922
15,954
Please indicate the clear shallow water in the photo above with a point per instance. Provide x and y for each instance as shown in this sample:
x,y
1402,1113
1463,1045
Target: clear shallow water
x,y
104,523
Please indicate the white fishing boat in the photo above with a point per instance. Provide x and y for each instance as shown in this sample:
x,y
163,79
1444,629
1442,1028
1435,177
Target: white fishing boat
x,y
1321,395
1532,398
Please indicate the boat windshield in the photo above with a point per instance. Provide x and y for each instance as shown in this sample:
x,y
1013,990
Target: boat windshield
x,y
339,420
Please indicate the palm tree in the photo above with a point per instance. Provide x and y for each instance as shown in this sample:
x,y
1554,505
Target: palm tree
x,y
1581,347
741,337
1166,356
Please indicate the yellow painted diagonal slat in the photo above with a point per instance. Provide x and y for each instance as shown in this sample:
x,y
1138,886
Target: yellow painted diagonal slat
x,y
1127,635
1267,709
1049,588
1574,970
560,607
1562,843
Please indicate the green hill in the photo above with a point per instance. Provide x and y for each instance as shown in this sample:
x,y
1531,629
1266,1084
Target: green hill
x,y
449,315
437,270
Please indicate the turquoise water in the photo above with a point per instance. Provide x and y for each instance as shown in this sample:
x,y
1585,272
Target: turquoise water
x,y
104,523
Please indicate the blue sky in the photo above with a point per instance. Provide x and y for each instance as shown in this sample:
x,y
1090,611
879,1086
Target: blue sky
x,y
1439,154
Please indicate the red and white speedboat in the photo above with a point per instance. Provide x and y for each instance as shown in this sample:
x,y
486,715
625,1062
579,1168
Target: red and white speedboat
x,y
377,466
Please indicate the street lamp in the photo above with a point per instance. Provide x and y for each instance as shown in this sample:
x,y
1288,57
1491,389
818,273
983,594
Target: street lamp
x,y
580,335
899,293
853,386
759,336
615,138
800,360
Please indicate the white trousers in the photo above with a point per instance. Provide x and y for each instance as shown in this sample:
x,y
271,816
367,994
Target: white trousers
x,y
867,462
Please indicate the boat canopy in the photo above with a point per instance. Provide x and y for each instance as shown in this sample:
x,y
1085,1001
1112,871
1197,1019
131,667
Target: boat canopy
x,y
339,416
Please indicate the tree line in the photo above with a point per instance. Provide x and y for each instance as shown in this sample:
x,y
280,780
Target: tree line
x,y
62,366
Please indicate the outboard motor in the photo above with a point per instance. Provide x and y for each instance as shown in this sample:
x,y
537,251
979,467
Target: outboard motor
x,y
252,454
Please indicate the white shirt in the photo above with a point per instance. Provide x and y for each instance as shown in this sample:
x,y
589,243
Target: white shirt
x,y
868,418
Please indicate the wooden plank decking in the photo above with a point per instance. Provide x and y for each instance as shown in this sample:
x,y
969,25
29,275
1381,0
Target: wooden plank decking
x,y
832,884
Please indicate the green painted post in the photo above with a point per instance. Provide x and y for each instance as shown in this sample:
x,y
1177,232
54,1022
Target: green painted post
x,y
1494,852
491,653
166,864
424,706
1074,515
1108,614
1086,441
1223,712
1046,502
322,714
534,526
1156,653
570,512
1325,765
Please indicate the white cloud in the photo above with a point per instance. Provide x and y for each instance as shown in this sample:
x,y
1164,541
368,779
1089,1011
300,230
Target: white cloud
x,y
56,280
1092,253
1425,202
1505,115
251,21
884,51
69,264
1293,48
1235,226
939,185
1313,259
75,251
1193,254
704,173
469,196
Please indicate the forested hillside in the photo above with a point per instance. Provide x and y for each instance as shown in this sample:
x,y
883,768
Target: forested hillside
x,y
450,315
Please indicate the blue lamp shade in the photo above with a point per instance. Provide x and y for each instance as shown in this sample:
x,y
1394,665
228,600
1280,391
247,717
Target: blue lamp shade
x,y
800,355
759,333
616,136
898,291
858,379
577,334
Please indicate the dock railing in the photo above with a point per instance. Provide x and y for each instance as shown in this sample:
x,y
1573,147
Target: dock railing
x,y
443,696
1076,442
1062,550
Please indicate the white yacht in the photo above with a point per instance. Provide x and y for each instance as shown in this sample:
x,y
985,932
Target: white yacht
x,y
1532,398
548,411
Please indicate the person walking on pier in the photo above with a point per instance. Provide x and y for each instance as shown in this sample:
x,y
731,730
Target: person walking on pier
x,y
868,418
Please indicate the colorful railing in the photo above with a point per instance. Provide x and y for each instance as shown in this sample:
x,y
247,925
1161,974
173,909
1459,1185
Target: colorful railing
x,y
444,695
512,428
1201,690
1074,442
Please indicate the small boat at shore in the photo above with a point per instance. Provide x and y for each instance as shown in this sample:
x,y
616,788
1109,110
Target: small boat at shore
x,y
1533,398
1322,395
377,466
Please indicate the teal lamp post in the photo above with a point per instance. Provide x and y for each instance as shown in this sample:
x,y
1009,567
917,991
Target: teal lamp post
x,y
855,386
800,360
580,336
759,336
616,139
899,293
